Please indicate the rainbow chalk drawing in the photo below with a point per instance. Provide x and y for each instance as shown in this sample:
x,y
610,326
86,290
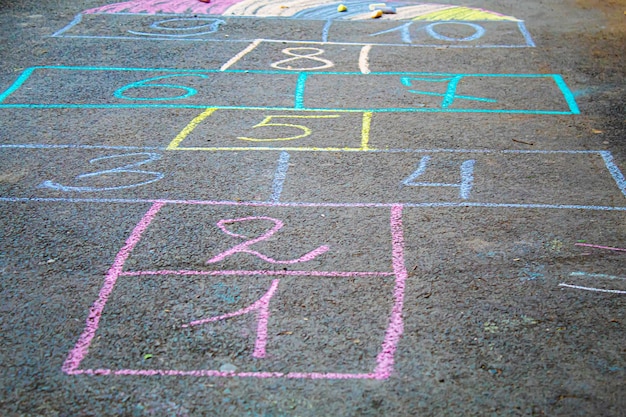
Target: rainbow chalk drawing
x,y
305,9
384,360
194,20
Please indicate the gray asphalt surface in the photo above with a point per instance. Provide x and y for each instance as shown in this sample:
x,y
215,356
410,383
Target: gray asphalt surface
x,y
325,241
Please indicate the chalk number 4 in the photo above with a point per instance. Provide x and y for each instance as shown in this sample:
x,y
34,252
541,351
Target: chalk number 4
x,y
125,169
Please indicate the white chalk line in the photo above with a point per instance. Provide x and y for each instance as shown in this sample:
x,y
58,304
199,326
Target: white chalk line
x,y
578,287
601,276
364,59
241,54
597,276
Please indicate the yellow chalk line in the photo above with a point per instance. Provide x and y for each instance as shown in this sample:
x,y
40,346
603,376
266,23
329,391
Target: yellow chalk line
x,y
189,128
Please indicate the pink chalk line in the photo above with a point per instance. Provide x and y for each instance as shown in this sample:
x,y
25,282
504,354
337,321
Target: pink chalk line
x,y
78,353
600,247
208,372
385,359
244,246
263,315
339,274
166,6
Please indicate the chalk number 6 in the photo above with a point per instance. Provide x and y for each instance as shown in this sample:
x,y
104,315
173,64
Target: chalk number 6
x,y
188,91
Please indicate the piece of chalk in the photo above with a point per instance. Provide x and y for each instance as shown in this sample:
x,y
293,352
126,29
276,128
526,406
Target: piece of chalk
x,y
342,8
375,6
377,14
388,10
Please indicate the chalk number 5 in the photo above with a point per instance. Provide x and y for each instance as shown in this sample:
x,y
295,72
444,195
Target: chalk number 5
x,y
267,122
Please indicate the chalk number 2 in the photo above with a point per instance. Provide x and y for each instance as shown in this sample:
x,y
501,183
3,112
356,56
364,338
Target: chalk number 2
x,y
125,169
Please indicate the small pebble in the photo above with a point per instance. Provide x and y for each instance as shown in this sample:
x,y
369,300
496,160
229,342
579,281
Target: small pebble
x,y
228,367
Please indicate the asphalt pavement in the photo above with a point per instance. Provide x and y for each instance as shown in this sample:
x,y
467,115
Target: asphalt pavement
x,y
257,208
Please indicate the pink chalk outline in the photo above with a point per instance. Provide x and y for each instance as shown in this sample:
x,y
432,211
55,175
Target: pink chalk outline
x,y
185,272
600,247
95,312
243,247
165,6
384,360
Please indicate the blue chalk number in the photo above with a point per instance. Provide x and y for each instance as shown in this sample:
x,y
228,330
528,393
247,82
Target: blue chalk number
x,y
120,93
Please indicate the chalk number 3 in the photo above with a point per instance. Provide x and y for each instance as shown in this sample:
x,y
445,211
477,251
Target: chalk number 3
x,y
125,169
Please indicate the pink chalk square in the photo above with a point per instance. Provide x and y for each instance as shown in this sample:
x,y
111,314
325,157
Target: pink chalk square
x,y
300,324
253,238
264,323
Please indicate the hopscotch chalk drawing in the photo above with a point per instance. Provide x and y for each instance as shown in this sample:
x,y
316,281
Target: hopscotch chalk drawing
x,y
276,290
253,255
412,23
